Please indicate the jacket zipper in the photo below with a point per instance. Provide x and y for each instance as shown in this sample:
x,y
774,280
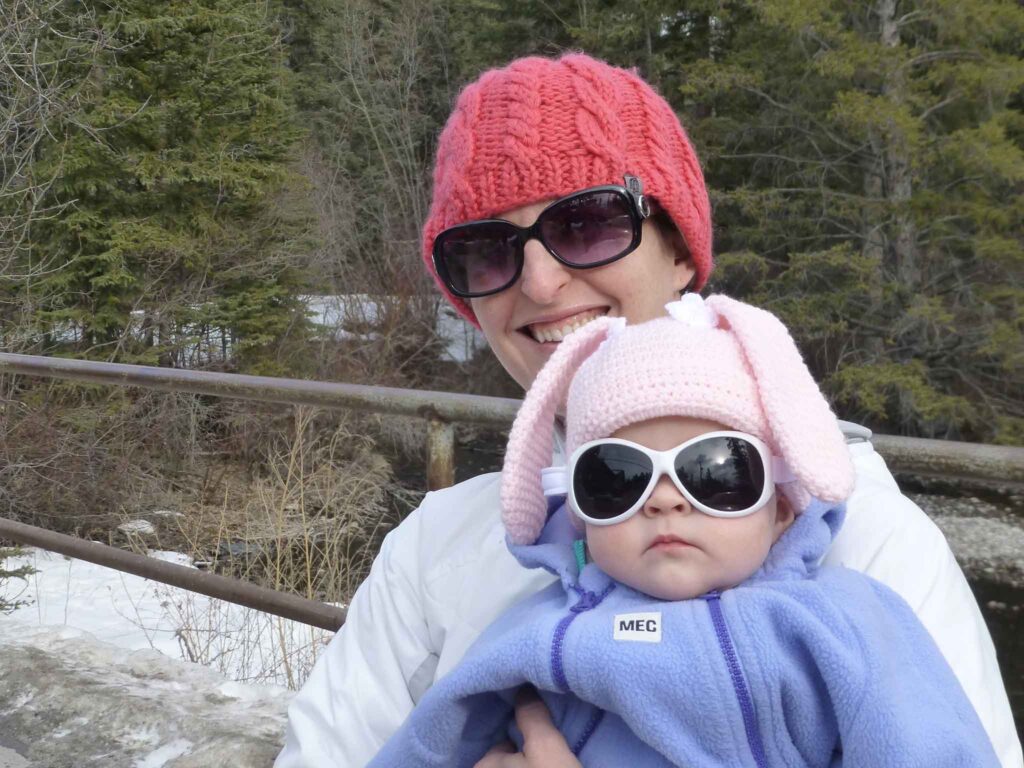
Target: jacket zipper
x,y
581,742
739,684
588,601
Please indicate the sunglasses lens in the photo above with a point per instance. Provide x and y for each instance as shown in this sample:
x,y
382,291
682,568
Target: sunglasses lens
x,y
609,479
724,473
478,259
589,228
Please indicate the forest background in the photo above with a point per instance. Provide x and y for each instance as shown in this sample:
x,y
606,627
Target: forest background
x,y
178,176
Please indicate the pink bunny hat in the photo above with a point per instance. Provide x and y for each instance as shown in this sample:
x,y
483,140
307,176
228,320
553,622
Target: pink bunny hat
x,y
717,359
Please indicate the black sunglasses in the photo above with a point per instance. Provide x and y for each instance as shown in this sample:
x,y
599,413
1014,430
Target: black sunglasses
x,y
586,229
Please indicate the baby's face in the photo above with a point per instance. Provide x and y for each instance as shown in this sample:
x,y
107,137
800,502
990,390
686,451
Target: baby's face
x,y
673,551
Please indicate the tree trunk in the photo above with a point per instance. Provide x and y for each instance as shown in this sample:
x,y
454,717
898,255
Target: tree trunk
x,y
903,263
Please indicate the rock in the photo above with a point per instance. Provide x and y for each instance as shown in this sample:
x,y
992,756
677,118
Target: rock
x,y
986,538
137,527
68,700
11,759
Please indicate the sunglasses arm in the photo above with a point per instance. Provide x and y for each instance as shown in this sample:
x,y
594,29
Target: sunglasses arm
x,y
554,481
781,473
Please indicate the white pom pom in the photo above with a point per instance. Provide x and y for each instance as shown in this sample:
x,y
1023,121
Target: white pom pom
x,y
692,310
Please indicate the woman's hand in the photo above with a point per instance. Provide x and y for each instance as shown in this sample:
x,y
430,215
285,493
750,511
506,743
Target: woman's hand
x,y
543,744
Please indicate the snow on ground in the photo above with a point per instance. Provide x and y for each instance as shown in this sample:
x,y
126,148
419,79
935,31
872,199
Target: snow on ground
x,y
91,672
134,613
461,339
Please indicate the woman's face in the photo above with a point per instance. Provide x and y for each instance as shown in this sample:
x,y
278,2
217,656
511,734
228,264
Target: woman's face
x,y
524,323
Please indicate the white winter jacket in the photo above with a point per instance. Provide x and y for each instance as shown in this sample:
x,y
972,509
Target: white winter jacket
x,y
445,573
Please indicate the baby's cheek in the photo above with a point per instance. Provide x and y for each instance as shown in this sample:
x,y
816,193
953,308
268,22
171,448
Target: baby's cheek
x,y
747,551
597,545
611,547
736,547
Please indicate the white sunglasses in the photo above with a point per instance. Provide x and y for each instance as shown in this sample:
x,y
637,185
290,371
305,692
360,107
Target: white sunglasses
x,y
723,474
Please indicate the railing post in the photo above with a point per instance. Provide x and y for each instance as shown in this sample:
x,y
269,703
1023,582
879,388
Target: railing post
x,y
440,453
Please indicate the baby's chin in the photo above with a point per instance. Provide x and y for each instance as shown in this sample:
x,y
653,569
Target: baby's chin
x,y
674,592
675,595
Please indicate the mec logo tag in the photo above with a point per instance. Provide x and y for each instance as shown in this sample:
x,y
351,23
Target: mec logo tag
x,y
638,627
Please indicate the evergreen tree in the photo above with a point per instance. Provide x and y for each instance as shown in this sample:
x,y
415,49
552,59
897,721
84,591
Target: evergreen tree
x,y
868,163
182,227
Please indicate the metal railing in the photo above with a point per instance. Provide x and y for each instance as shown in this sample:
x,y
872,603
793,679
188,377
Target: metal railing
x,y
441,410
282,604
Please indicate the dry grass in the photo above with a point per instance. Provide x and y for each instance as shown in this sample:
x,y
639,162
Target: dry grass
x,y
296,500
309,523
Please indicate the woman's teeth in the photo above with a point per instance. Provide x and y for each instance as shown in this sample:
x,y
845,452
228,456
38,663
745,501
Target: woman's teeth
x,y
559,332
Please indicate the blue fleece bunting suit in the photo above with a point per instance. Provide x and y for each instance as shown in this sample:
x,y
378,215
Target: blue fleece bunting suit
x,y
797,666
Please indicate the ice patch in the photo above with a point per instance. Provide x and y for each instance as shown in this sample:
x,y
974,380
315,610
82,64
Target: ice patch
x,y
11,759
171,557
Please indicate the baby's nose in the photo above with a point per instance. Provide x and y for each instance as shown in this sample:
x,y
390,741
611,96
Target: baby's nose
x,y
666,498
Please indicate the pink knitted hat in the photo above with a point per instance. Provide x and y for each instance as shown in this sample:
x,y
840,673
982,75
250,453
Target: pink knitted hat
x,y
717,359
543,128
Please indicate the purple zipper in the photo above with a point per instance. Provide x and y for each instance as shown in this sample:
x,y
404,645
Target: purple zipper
x,y
739,685
587,601
581,742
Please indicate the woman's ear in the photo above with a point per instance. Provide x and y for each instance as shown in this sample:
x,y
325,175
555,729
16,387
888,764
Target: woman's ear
x,y
675,246
784,515
685,272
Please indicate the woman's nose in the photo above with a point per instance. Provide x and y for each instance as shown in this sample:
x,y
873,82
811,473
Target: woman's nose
x,y
543,275
666,498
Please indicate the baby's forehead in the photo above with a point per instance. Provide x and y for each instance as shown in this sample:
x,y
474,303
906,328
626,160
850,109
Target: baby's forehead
x,y
667,432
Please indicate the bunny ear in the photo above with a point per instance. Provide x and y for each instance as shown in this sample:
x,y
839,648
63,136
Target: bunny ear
x,y
803,426
531,441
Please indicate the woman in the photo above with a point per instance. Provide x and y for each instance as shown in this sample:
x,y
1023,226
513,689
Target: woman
x,y
602,210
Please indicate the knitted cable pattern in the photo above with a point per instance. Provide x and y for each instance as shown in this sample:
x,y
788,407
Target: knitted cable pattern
x,y
598,123
541,128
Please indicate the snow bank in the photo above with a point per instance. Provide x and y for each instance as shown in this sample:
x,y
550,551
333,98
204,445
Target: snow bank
x,y
134,613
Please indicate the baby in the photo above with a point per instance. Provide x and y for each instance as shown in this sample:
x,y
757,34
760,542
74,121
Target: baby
x,y
690,623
